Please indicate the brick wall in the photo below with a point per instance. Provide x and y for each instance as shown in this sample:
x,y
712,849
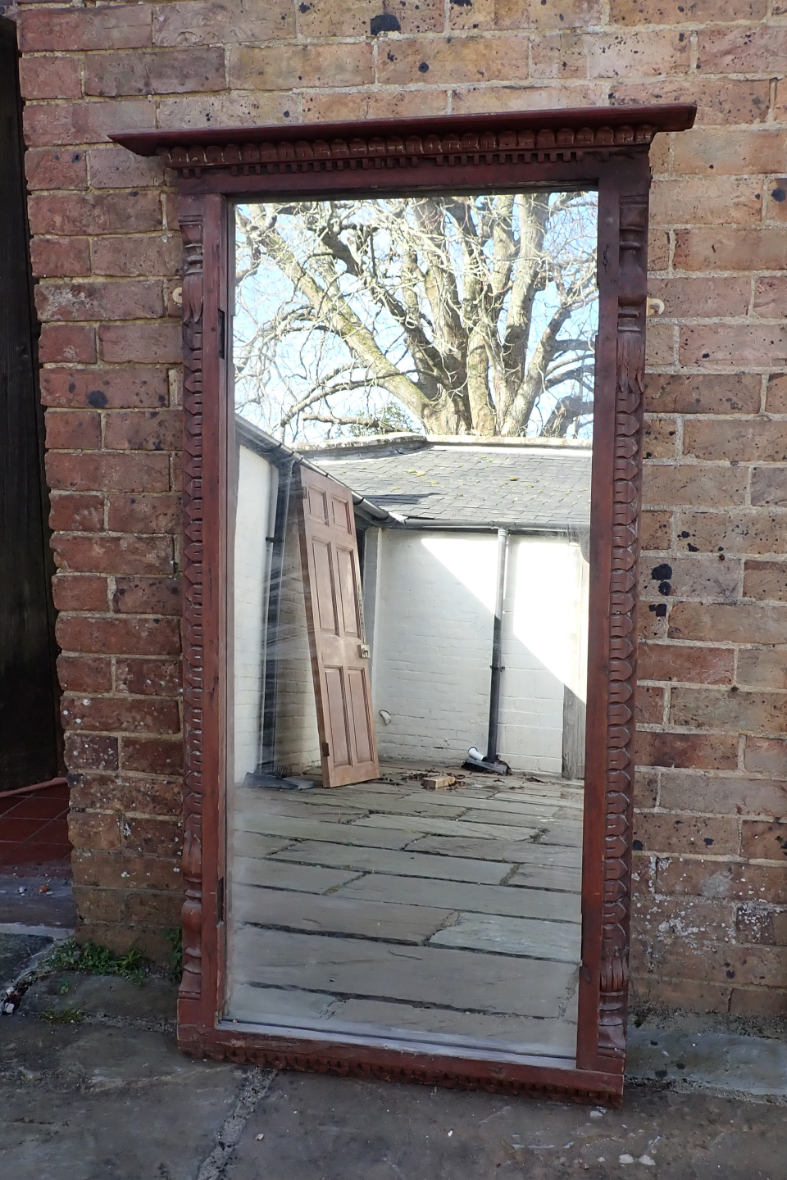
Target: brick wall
x,y
711,917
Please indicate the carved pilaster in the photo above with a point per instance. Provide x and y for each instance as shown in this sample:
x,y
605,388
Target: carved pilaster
x,y
192,232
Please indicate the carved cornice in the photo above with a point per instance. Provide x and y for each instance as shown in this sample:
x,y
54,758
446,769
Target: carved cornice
x,y
517,138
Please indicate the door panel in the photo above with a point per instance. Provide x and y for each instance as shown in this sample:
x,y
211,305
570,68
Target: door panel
x,y
332,581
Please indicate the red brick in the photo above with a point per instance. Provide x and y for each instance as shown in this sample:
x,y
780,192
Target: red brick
x,y
139,596
728,152
51,257
153,254
149,677
288,67
71,344
742,441
181,71
94,213
146,795
692,665
105,388
765,579
48,123
689,484
730,248
706,200
124,714
732,710
50,77
738,882
750,345
112,635
113,473
144,431
158,343
124,299
153,837
77,511
110,555
746,531
93,830
116,167
91,751
722,794
62,30
144,514
698,393
56,168
766,756
702,751
739,623
215,22
79,592
84,673
76,430
764,841
154,755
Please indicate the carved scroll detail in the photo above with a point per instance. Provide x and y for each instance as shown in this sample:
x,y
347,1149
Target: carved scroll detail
x,y
472,147
632,294
192,233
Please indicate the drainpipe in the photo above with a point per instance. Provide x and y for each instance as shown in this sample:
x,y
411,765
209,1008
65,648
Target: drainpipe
x,y
267,764
497,647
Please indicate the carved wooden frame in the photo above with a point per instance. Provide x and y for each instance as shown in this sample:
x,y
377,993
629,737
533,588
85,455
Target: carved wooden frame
x,y
605,149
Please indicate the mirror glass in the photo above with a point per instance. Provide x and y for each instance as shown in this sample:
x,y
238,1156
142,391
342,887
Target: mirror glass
x,y
408,612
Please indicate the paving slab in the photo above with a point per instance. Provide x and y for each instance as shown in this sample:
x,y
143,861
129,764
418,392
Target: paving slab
x,y
16,951
37,900
722,1061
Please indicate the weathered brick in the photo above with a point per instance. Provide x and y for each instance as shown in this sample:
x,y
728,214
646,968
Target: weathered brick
x,y
769,486
559,57
650,705
770,295
702,298
241,108
79,592
56,168
157,343
656,530
162,71
144,514
140,596
454,60
732,710
116,167
637,54
747,531
153,837
757,49
158,755
335,106
113,473
121,555
719,962
117,26
758,1001
691,577
124,299
117,635
90,829
105,388
684,995
776,394
735,101
689,665
665,917
50,77
77,430
690,484
706,200
728,152
70,344
764,841
51,257
701,751
125,871
84,673
77,511
99,905
91,751
94,213
766,756
152,254
659,244
646,788
140,794
148,677
667,12
661,345
652,621
738,882
140,430
699,393
659,438
742,441
731,248
752,345
124,714
216,22
47,123
288,67
765,579
739,623
722,794
161,909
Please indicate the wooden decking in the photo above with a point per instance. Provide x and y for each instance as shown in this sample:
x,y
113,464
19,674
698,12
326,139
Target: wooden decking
x,y
386,908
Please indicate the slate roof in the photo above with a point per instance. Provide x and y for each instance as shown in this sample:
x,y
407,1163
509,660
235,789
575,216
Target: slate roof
x,y
524,484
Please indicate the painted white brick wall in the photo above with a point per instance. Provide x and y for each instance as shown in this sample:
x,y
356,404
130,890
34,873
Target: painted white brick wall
x,y
433,640
257,483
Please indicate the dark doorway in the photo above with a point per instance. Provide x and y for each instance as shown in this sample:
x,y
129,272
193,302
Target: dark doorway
x,y
29,723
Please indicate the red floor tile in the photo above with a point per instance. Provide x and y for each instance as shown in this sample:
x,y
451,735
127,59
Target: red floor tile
x,y
34,830
12,828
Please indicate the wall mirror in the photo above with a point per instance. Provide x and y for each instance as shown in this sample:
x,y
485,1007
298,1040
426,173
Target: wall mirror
x,y
413,394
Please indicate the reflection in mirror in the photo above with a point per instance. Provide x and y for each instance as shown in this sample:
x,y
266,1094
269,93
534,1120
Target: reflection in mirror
x,y
409,605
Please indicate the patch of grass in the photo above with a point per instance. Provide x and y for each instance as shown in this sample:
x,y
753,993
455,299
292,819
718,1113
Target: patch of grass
x,y
98,960
64,1016
175,939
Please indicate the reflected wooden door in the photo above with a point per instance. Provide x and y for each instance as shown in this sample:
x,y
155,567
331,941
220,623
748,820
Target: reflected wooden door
x,y
340,665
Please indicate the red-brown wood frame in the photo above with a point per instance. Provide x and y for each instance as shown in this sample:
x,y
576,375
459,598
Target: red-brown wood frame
x,y
604,149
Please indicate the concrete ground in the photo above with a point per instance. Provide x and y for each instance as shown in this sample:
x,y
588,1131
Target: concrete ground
x,y
92,1087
